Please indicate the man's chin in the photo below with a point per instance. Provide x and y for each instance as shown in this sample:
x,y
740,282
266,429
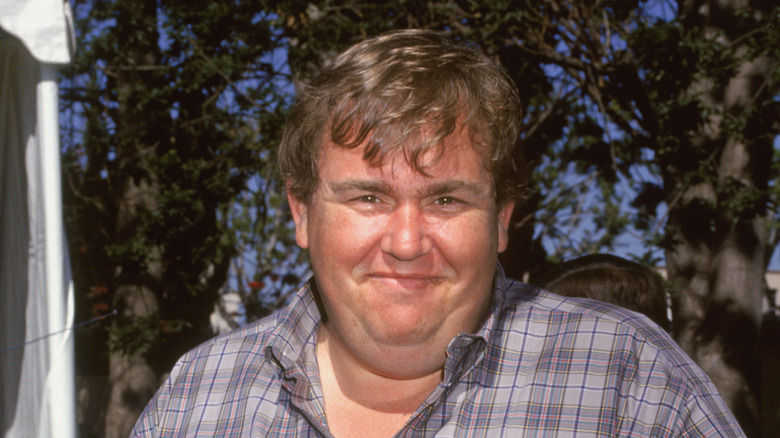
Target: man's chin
x,y
400,337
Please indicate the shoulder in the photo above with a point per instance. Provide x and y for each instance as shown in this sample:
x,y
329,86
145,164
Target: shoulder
x,y
237,371
284,329
609,359
247,341
633,362
206,379
533,306
225,358
592,337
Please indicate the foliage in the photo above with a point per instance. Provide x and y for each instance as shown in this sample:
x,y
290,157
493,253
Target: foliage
x,y
140,335
169,112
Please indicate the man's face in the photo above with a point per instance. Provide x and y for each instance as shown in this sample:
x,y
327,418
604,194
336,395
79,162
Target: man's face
x,y
403,261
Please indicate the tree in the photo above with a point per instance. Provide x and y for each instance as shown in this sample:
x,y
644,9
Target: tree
x,y
170,108
717,231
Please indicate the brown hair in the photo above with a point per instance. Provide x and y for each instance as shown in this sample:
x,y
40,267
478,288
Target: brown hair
x,y
403,92
612,279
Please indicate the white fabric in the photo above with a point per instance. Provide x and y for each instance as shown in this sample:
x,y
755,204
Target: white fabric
x,y
37,394
41,25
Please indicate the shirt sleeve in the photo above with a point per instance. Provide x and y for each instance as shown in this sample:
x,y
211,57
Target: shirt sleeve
x,y
709,416
668,395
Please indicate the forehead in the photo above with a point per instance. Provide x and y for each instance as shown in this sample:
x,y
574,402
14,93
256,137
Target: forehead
x,y
419,147
453,159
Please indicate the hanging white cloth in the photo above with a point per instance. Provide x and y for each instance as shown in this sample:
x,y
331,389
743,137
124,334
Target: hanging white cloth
x,y
37,385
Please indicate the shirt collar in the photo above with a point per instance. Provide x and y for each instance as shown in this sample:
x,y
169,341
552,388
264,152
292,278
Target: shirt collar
x,y
296,326
466,350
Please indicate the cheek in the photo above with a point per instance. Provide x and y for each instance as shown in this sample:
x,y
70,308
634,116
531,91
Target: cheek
x,y
342,236
467,242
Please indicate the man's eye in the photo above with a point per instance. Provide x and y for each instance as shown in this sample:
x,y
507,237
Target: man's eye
x,y
446,200
372,199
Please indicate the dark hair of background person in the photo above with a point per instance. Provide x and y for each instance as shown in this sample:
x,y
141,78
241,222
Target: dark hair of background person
x,y
614,280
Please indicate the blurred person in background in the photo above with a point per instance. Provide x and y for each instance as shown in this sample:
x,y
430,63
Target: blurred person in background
x,y
612,279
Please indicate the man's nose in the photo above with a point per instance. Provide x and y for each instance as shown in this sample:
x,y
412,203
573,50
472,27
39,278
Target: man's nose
x,y
406,236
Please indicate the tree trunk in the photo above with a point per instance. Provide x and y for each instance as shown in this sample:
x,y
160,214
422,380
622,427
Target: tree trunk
x,y
132,380
138,277
718,227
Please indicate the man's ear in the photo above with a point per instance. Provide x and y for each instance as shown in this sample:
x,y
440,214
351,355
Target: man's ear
x,y
300,214
504,215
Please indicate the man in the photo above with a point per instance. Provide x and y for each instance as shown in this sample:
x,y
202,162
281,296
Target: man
x,y
401,184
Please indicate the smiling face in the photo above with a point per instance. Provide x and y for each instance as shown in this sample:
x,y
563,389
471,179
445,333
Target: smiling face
x,y
403,261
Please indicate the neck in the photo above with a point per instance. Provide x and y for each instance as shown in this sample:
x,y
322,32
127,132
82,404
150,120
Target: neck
x,y
351,379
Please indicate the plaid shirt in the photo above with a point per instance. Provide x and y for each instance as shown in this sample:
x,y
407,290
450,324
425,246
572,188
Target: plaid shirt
x,y
541,366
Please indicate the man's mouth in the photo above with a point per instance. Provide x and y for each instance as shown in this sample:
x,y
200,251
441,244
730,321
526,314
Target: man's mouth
x,y
406,280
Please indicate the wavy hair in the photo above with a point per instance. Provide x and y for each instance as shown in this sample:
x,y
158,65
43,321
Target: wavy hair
x,y
402,93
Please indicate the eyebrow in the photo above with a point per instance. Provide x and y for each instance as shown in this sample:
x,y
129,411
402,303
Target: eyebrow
x,y
360,185
450,186
381,187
